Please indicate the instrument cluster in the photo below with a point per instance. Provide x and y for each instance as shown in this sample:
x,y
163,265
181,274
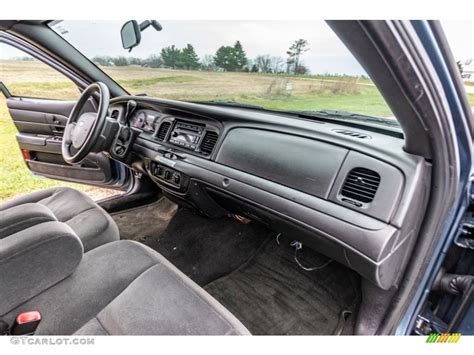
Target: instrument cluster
x,y
146,120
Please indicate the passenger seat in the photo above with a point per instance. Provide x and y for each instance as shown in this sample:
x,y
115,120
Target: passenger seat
x,y
126,288
89,221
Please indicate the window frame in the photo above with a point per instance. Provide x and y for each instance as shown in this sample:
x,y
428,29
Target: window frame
x,y
19,44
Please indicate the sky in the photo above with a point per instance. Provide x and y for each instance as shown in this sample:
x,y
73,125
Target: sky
x,y
327,54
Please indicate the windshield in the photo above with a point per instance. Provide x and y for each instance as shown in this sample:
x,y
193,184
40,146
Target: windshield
x,y
277,65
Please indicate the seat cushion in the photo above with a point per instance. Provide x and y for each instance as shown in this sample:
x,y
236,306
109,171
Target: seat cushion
x,y
90,222
124,287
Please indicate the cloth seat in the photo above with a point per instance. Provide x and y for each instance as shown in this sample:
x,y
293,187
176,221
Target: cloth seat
x,y
126,288
88,220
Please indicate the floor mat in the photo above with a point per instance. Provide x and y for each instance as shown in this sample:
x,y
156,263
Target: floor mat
x,y
204,248
152,219
271,294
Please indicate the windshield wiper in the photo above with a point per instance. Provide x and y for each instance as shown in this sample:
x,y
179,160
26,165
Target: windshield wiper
x,y
229,103
343,115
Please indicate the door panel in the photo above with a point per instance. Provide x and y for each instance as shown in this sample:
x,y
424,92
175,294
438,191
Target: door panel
x,y
39,116
40,125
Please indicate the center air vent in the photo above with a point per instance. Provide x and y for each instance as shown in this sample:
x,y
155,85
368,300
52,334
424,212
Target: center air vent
x,y
163,131
208,142
352,133
361,185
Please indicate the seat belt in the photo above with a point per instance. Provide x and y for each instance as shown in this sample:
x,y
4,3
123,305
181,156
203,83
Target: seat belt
x,y
25,324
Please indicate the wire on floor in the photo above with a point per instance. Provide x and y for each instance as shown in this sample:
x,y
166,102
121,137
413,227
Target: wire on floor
x,y
298,245
345,314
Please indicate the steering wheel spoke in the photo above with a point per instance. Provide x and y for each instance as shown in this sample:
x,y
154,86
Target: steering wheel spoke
x,y
68,131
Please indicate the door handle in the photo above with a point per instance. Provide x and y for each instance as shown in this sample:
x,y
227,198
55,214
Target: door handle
x,y
58,130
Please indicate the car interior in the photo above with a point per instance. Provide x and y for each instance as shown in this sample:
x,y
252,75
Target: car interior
x,y
235,221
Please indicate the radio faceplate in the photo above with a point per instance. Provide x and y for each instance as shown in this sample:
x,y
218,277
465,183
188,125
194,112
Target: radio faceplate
x,y
187,135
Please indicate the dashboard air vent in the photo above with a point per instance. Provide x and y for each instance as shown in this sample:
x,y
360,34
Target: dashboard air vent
x,y
361,185
352,134
208,142
163,131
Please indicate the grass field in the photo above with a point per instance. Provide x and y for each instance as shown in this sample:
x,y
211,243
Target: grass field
x,y
15,178
279,92
269,91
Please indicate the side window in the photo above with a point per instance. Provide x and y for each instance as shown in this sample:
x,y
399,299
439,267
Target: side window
x,y
26,76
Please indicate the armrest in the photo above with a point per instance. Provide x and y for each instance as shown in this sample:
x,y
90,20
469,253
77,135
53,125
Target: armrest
x,y
15,219
35,259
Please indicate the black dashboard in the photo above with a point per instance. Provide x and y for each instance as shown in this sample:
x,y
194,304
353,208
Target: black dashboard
x,y
351,193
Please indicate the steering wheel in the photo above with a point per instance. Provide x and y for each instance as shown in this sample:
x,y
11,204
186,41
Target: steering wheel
x,y
83,130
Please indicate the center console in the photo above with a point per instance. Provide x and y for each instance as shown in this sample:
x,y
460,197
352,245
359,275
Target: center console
x,y
170,177
187,135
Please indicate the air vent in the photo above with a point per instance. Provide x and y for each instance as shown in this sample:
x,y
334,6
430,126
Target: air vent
x,y
352,134
361,185
163,131
114,114
208,142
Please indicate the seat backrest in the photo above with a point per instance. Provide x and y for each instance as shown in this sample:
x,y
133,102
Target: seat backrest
x,y
34,259
18,218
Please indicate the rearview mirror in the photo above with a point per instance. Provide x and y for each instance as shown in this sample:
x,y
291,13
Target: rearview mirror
x,y
131,32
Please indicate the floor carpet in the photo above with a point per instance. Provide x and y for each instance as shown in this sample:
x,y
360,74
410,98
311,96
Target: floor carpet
x,y
204,248
249,272
272,294
152,219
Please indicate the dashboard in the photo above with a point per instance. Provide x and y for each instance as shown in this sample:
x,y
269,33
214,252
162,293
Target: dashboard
x,y
181,132
349,192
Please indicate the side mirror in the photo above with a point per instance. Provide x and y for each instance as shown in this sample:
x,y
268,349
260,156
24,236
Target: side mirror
x,y
131,32
131,35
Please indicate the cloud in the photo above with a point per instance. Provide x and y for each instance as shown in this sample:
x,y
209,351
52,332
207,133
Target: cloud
x,y
326,55
460,35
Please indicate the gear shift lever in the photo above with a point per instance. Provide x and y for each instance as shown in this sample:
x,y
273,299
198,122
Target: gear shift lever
x,y
126,134
131,106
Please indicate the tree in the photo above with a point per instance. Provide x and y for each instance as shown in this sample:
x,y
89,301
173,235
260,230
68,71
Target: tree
x,y
254,68
102,60
153,61
240,56
207,63
188,58
294,53
120,61
170,56
134,61
24,58
224,58
277,64
231,58
301,69
263,63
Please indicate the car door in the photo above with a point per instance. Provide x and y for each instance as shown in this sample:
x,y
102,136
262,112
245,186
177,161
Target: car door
x,y
39,100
